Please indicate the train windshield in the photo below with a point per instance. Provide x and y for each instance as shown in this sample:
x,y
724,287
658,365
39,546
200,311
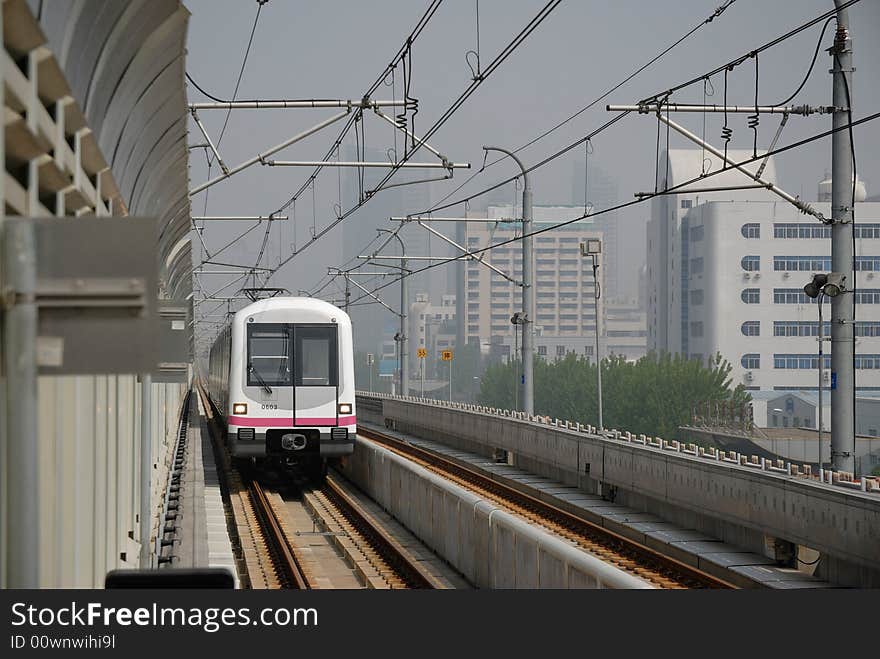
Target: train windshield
x,y
268,355
316,364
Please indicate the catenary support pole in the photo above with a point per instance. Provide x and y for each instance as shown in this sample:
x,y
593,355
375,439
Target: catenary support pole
x,y
528,290
842,341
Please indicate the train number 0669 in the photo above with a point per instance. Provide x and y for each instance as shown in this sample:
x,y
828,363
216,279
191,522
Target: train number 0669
x,y
269,406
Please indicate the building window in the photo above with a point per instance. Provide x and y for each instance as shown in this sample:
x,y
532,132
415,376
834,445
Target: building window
x,y
686,203
588,350
697,328
751,263
867,296
800,362
802,263
542,351
751,328
803,230
696,266
753,295
793,296
800,328
751,361
473,328
866,263
751,230
697,297
560,351
473,295
870,362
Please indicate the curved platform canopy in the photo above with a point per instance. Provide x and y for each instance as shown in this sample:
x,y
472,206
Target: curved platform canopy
x,y
125,64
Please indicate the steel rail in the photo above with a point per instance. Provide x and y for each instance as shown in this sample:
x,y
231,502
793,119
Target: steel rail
x,y
553,516
285,558
411,570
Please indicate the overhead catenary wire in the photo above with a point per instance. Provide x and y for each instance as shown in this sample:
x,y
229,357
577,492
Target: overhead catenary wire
x,y
644,197
742,58
718,11
499,59
658,99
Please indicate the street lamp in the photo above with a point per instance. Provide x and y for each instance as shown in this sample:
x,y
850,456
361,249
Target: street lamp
x,y
592,248
822,285
528,294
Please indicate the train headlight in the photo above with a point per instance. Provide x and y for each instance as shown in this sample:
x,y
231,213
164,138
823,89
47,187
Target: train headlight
x,y
344,408
239,408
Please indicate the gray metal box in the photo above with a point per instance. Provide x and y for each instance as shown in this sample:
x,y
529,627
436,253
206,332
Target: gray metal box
x,y
96,294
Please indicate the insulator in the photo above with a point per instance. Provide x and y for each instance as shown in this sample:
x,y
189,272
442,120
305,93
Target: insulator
x,y
726,133
754,120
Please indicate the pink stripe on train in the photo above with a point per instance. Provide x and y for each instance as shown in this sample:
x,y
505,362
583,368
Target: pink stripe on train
x,y
287,422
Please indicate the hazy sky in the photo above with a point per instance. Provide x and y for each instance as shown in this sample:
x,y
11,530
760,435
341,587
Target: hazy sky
x,y
336,49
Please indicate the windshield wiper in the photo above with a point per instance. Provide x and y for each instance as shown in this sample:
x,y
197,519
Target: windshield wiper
x,y
251,369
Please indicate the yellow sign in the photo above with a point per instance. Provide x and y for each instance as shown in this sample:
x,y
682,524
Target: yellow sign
x,y
446,355
422,353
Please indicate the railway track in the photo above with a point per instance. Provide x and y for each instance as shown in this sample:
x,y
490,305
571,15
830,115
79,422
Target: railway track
x,y
279,548
629,555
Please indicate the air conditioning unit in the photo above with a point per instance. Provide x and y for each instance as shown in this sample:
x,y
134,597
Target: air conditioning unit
x,y
749,376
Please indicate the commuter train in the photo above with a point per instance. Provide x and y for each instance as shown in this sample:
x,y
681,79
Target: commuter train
x,y
282,375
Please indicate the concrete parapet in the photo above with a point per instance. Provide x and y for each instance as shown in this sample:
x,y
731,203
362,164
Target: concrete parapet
x,y
489,546
739,498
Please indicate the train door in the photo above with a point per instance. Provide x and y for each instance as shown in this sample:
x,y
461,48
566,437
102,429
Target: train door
x,y
269,375
315,375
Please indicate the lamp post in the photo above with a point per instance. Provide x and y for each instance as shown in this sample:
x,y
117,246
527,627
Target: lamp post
x,y
592,248
824,285
528,294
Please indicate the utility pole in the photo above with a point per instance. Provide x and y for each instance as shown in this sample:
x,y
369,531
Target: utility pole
x,y
404,287
528,292
347,295
842,334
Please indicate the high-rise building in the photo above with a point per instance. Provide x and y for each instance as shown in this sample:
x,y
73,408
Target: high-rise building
x,y
731,273
566,316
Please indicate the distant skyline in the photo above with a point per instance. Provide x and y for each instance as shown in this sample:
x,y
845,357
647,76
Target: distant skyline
x,y
336,50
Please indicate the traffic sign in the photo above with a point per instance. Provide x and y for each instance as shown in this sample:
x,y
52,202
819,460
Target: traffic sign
x,y
446,355
422,353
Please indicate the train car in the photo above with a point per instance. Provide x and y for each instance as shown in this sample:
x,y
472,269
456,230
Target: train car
x,y
282,375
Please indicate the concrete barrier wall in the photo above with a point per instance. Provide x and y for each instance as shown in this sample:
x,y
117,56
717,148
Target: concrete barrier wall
x,y
490,547
738,504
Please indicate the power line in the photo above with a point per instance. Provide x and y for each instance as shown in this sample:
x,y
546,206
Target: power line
x,y
499,59
592,103
729,66
590,136
645,197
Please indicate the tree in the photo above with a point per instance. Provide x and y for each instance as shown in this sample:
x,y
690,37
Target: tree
x,y
654,395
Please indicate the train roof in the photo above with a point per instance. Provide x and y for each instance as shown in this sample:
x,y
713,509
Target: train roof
x,y
292,303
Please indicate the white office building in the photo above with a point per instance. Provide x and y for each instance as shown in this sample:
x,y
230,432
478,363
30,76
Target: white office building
x,y
726,275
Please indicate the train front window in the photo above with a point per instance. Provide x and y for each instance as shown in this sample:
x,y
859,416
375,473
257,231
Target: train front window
x,y
268,355
315,361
